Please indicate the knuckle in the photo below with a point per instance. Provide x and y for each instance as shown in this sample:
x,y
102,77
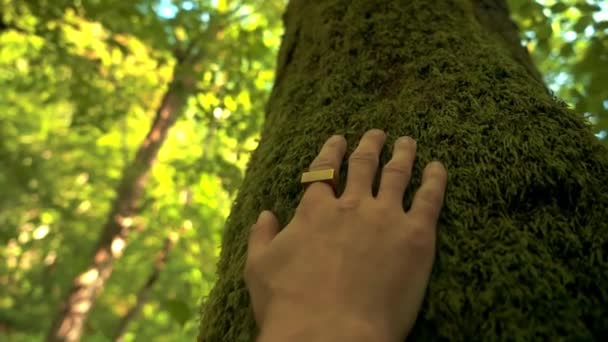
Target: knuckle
x,y
420,239
430,198
248,272
348,203
310,203
393,167
386,215
321,162
389,210
367,157
306,205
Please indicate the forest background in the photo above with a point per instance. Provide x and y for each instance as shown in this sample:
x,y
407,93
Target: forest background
x,y
82,85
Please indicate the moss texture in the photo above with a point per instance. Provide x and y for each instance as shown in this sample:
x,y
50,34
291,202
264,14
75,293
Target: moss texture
x,y
523,237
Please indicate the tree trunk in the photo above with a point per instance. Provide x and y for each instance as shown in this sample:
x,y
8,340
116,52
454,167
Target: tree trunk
x,y
523,236
144,291
69,323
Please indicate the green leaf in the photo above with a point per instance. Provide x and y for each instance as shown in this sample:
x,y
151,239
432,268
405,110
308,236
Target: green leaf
x,y
587,8
559,7
601,25
566,50
582,23
544,31
179,310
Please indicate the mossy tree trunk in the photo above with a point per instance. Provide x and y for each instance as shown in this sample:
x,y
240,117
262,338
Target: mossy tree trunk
x,y
523,236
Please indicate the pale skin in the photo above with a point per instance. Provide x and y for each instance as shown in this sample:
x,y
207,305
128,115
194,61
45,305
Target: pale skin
x,y
353,268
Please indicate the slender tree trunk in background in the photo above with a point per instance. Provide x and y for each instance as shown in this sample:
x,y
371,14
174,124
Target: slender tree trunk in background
x,y
144,291
523,236
69,323
3,25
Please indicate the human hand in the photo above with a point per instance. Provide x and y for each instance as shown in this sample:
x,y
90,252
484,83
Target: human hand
x,y
354,262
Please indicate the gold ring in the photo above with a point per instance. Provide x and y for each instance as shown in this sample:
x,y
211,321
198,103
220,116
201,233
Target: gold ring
x,y
327,176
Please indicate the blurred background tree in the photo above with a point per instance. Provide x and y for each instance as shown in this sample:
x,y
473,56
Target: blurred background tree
x,y
82,81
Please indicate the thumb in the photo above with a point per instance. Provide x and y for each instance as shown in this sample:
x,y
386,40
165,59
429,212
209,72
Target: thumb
x,y
263,232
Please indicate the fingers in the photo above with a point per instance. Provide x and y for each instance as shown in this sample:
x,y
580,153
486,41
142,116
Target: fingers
x,y
428,200
330,157
363,163
262,233
397,172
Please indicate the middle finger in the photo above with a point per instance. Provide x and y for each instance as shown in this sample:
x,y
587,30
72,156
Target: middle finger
x,y
363,163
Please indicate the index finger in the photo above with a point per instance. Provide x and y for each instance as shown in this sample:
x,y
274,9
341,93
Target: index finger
x,y
428,200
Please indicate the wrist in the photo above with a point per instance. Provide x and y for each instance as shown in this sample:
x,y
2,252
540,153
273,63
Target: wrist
x,y
321,329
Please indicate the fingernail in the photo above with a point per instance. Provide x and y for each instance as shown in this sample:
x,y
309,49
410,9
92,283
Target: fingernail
x,y
406,138
377,131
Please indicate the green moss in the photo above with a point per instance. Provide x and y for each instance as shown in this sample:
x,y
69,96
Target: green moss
x,y
523,243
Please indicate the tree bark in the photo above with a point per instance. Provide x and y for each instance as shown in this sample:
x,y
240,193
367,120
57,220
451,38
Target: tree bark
x,y
523,235
69,323
144,291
